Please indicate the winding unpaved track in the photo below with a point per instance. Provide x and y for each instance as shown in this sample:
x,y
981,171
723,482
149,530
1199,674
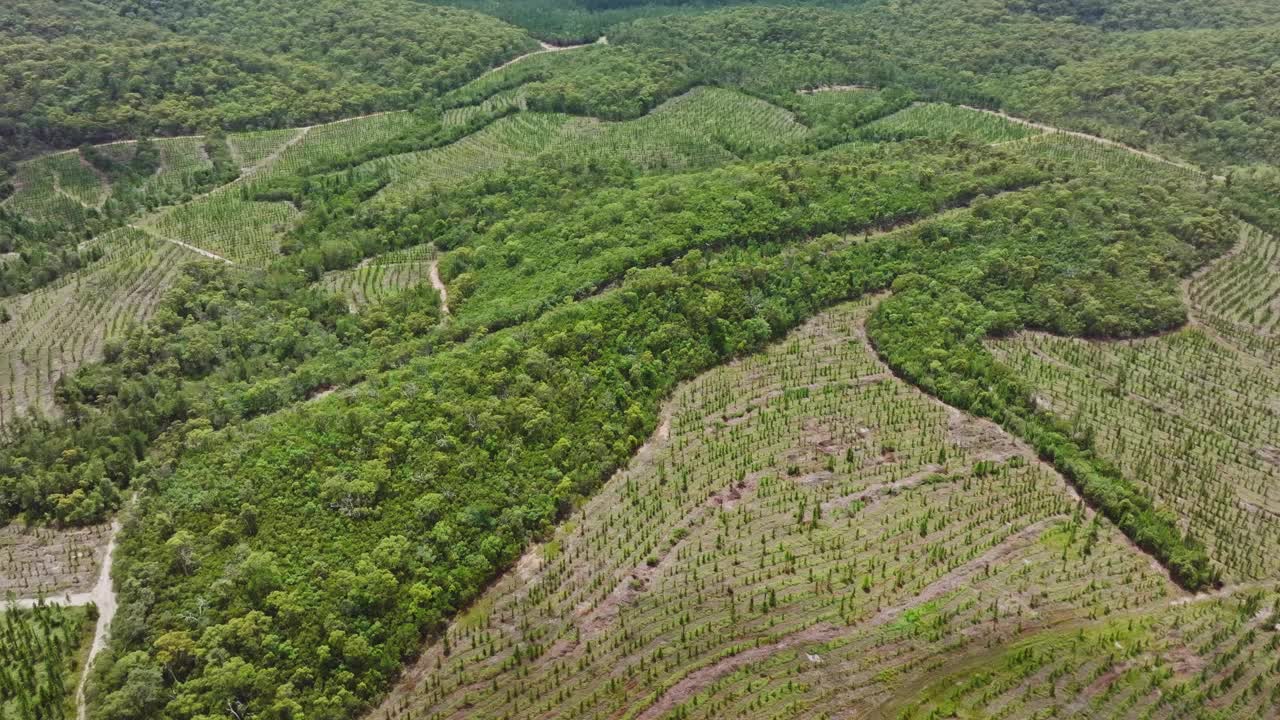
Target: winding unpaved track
x,y
434,275
835,88
1089,138
546,48
102,595
153,234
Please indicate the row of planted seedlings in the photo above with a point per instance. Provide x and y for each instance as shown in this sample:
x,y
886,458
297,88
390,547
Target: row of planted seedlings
x,y
801,496
66,190
1186,418
382,276
701,128
56,329
507,140
1075,151
1244,287
39,652
1265,348
942,121
1056,571
1215,657
40,560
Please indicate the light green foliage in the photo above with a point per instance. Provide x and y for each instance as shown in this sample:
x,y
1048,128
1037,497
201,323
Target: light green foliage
x,y
65,202
230,63
41,651
229,223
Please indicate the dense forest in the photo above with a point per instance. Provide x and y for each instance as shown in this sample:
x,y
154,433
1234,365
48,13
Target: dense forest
x,y
1207,91
84,71
309,489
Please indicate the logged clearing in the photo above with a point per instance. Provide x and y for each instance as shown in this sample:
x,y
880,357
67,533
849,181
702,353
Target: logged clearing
x,y
940,120
54,330
1215,658
40,561
704,127
804,535
228,224
1238,298
510,139
1192,420
381,277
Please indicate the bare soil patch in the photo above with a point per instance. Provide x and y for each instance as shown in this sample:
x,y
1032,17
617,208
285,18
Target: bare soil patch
x,y
42,561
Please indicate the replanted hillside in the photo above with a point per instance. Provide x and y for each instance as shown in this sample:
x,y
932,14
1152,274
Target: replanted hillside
x,y
55,330
580,384
241,221
487,408
1209,657
804,534
1189,420
41,652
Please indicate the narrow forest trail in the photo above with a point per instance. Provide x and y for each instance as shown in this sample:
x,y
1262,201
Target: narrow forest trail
x,y
434,275
103,596
153,234
1088,138
835,88
546,48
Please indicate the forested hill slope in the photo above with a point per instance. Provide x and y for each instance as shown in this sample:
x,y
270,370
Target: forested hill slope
x,y
82,71
304,396
1210,96
1194,79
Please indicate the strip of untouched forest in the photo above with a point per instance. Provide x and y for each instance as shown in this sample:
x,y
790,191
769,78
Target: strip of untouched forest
x,y
270,564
